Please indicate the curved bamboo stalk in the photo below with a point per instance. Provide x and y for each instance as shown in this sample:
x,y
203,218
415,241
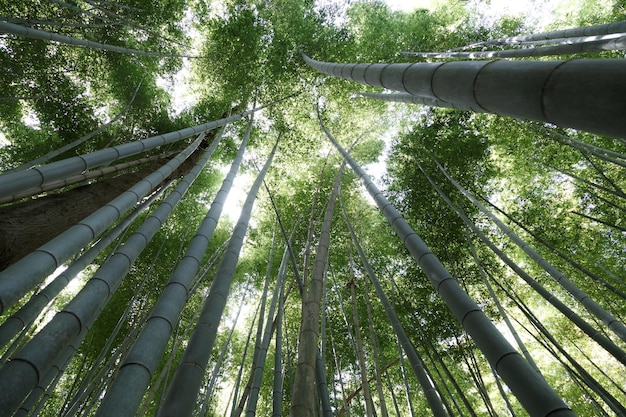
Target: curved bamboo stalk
x,y
607,43
6,27
124,396
587,94
185,384
533,392
19,376
594,308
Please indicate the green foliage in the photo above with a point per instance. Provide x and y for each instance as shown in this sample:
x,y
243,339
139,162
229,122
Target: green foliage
x,y
251,54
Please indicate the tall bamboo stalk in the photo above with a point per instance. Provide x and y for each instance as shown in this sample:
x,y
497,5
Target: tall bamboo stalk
x,y
533,392
124,396
430,392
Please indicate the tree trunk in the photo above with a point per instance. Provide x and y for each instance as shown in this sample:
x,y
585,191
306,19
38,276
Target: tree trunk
x,y
27,225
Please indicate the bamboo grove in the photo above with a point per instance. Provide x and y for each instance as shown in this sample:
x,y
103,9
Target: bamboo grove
x,y
483,274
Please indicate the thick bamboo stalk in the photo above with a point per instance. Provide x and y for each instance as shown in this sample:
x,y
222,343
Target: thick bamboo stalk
x,y
586,94
27,314
533,392
185,384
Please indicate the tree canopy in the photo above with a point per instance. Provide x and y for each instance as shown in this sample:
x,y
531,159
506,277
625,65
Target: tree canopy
x,y
317,254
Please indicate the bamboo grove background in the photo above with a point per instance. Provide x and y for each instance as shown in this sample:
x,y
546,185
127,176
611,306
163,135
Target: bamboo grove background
x,y
483,274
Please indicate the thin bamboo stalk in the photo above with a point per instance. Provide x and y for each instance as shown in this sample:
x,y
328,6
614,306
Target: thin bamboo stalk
x,y
6,27
80,140
596,30
588,329
593,307
267,335
183,389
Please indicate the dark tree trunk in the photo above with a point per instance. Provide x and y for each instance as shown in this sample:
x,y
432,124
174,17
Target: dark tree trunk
x,y
27,225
